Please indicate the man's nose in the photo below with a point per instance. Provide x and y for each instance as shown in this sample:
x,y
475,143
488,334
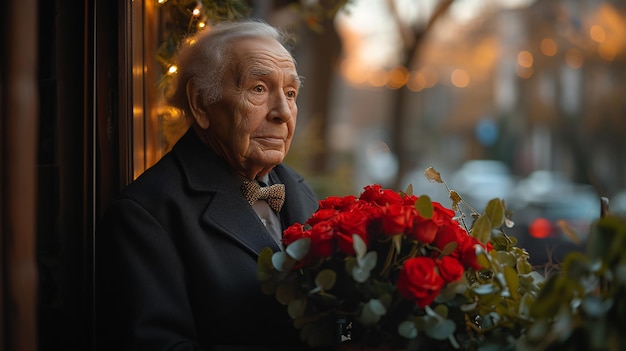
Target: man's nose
x,y
280,110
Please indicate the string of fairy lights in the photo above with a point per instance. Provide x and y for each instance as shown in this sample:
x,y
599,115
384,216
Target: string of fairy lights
x,y
187,17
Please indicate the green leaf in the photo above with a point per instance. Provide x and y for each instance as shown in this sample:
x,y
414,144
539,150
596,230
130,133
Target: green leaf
x,y
507,259
285,293
368,262
440,330
482,229
265,268
296,307
326,279
485,289
360,248
397,242
495,212
607,239
407,329
483,260
424,206
299,248
512,281
282,262
409,190
442,310
371,312
449,248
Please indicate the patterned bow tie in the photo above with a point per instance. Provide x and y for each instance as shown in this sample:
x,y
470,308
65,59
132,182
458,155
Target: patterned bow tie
x,y
273,194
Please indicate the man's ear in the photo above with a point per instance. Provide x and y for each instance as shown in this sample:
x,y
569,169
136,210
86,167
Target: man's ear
x,y
196,106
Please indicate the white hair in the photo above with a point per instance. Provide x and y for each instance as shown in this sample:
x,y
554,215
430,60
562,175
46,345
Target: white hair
x,y
205,57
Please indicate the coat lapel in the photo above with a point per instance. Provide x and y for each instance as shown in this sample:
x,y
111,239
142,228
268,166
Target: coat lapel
x,y
227,211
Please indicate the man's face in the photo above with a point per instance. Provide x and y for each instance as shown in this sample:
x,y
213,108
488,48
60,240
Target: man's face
x,y
253,123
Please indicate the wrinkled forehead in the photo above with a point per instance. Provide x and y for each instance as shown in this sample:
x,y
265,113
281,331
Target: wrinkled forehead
x,y
262,57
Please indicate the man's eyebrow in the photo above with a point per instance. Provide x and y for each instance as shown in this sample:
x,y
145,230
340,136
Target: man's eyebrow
x,y
257,73
260,72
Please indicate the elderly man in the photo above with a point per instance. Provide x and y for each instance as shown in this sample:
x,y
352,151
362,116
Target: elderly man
x,y
176,252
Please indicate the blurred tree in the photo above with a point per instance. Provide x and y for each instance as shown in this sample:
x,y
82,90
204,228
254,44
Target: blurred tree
x,y
413,36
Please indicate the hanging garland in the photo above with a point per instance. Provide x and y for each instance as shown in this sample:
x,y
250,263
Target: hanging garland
x,y
184,18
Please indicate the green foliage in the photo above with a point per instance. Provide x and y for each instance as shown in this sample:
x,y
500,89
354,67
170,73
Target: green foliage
x,y
583,307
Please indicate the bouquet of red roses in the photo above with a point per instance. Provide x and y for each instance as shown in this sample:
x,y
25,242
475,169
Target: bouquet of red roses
x,y
392,268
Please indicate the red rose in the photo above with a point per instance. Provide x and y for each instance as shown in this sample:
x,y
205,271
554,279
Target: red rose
x,y
349,223
450,269
336,202
389,197
419,281
396,219
442,214
409,200
423,230
452,232
321,215
468,253
322,239
371,193
293,233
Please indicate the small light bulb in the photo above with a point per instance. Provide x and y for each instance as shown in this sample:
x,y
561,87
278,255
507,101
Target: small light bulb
x,y
201,25
196,12
172,69
162,1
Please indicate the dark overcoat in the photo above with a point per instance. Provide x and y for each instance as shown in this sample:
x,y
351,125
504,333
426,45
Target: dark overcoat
x,y
176,259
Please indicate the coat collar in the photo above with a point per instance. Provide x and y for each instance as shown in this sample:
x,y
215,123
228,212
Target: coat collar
x,y
227,210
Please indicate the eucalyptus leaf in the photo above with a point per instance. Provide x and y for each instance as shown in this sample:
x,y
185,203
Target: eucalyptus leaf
x,y
279,260
360,248
485,289
525,302
595,307
424,206
264,265
296,307
469,307
495,212
371,312
432,313
507,259
359,274
449,248
442,330
512,281
299,248
407,329
442,310
326,279
482,258
368,262
482,229
285,293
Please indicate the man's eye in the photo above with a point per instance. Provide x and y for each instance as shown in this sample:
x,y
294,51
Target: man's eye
x,y
259,89
291,94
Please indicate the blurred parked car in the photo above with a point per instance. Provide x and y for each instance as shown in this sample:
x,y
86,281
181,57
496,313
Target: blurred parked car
x,y
478,181
552,215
